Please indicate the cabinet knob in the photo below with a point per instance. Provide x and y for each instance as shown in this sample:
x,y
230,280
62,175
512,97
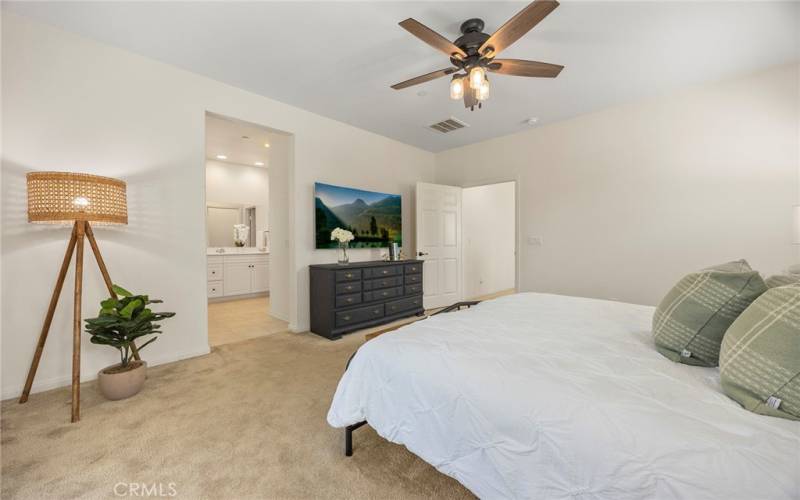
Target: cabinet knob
x,y
385,271
385,294
349,299
348,275
347,318
349,287
376,311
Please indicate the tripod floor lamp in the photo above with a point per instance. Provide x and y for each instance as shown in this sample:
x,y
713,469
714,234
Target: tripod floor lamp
x,y
63,197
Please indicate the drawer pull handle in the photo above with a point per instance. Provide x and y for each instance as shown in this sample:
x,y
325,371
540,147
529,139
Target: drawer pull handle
x,y
376,311
348,275
385,271
349,287
347,318
385,294
349,299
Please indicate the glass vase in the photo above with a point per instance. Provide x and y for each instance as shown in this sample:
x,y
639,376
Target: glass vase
x,y
343,258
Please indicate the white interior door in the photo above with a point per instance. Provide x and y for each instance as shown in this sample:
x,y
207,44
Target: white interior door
x,y
439,243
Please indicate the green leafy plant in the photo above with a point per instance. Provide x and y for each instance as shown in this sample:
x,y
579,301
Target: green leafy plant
x,y
121,321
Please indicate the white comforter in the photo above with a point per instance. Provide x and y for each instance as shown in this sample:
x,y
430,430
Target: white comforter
x,y
550,397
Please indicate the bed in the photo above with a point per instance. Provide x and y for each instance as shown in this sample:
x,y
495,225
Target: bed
x,y
547,396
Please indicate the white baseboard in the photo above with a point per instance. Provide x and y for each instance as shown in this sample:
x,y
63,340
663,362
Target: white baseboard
x,y
298,328
65,380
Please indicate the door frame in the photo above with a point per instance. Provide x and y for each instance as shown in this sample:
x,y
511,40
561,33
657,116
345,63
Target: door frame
x,y
517,240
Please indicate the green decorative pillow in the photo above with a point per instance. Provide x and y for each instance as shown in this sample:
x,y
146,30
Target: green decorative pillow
x,y
782,280
691,320
760,356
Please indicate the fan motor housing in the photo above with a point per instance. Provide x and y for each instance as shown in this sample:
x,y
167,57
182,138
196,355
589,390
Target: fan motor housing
x,y
470,42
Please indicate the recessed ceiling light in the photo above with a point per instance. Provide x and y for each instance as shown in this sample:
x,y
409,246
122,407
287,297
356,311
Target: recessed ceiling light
x,y
259,164
222,157
266,144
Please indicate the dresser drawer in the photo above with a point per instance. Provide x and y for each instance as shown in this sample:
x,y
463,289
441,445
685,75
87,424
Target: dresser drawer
x,y
350,287
214,288
398,306
348,300
413,278
383,283
348,275
413,268
214,272
386,293
381,271
414,289
360,315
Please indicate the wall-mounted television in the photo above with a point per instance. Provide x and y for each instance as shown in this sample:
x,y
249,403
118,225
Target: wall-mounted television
x,y
374,218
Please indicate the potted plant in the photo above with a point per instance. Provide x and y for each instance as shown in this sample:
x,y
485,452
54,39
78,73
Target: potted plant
x,y
120,322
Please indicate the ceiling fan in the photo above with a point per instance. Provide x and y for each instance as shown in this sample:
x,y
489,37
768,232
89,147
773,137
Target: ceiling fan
x,y
474,53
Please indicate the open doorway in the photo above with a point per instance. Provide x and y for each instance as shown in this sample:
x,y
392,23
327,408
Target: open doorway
x,y
489,221
246,212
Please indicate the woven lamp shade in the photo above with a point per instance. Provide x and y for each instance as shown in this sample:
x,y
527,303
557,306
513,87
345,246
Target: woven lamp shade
x,y
66,197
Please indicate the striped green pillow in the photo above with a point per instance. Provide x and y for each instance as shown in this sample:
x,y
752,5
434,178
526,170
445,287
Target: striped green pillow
x,y
691,320
760,357
782,280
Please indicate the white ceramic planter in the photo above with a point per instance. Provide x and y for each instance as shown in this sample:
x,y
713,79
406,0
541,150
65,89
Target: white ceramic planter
x,y
121,385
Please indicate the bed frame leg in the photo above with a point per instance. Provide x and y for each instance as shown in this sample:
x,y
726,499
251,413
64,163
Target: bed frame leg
x,y
348,438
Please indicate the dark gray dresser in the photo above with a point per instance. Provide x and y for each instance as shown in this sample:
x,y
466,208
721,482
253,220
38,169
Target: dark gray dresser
x,y
345,298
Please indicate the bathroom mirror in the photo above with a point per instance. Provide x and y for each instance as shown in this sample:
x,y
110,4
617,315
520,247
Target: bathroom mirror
x,y
221,219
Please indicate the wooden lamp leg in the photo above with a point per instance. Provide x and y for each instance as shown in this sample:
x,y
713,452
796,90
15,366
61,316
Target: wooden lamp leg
x,y
48,319
76,324
106,278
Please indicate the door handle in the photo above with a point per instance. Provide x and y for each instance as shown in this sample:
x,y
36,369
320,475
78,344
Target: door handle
x,y
420,254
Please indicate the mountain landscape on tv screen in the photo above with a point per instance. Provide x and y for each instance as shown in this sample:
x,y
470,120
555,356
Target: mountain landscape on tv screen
x,y
374,224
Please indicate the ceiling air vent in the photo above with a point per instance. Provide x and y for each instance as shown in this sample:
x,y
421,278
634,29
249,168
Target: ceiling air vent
x,y
448,125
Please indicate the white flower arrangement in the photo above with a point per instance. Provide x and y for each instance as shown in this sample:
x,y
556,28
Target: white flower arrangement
x,y
342,235
240,234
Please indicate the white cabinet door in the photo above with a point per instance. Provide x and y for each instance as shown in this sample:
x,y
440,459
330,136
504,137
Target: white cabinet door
x,y
439,243
260,277
237,278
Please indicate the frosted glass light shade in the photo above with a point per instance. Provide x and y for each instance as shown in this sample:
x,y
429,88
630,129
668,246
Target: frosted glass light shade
x,y
66,197
476,77
457,88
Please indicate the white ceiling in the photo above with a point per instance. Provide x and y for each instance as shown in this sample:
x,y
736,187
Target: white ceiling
x,y
239,142
338,58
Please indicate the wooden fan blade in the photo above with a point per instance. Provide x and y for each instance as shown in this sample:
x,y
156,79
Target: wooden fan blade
x,y
424,78
432,38
517,26
519,67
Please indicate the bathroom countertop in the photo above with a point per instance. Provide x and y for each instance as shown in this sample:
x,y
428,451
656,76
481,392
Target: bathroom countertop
x,y
236,251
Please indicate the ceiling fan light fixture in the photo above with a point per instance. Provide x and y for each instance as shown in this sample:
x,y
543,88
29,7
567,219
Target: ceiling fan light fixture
x,y
457,88
476,77
483,91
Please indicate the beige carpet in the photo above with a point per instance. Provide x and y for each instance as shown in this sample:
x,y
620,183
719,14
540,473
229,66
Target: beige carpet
x,y
246,421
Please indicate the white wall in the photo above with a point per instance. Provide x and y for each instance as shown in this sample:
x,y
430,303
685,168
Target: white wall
x,y
231,183
488,230
628,199
74,104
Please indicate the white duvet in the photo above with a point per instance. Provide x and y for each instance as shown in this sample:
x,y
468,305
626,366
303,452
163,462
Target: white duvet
x,y
549,397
